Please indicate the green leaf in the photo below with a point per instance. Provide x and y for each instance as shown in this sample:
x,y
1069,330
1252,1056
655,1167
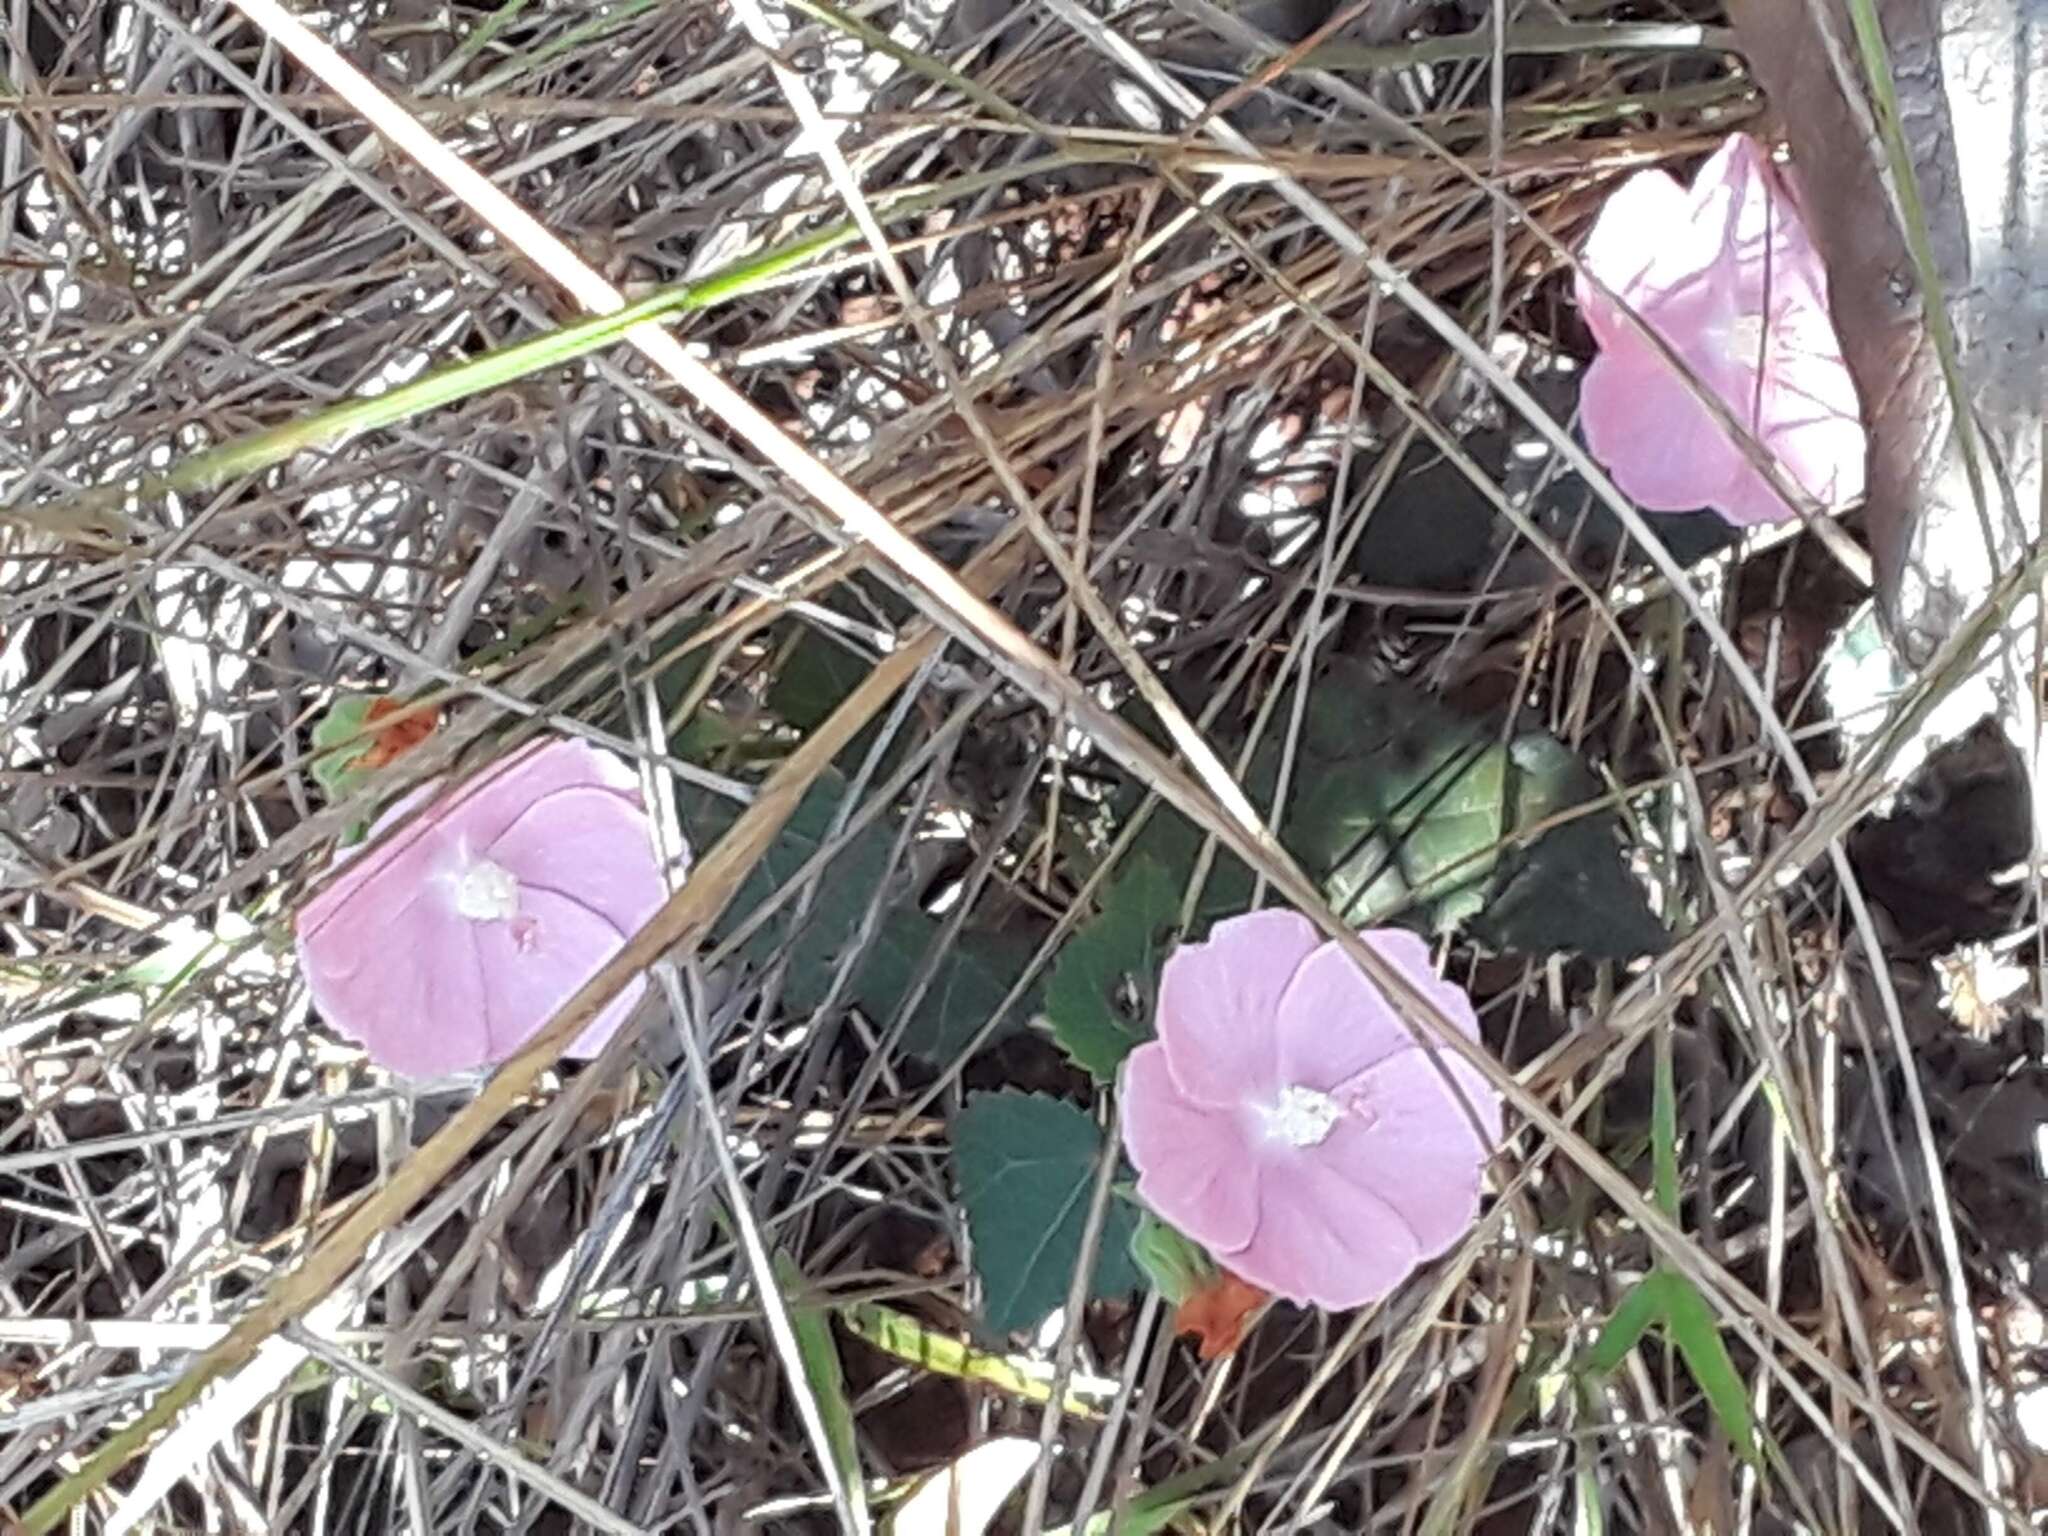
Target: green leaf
x,y
1385,766
819,1352
1399,803
680,665
1176,1265
814,678
975,973
1174,845
1027,1169
1571,889
1693,1329
343,735
1571,893
1641,1307
1396,798
340,739
706,736
1444,813
844,890
1667,1298
1102,988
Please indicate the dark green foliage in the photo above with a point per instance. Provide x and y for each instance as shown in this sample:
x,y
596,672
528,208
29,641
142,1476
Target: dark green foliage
x,y
1570,889
1431,529
1401,809
815,676
1102,990
1027,1168
1397,800
974,973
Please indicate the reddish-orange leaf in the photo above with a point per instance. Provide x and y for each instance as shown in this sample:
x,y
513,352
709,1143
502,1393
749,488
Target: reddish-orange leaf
x,y
1219,1313
401,736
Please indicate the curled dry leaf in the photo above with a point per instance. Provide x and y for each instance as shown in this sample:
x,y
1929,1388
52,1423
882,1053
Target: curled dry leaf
x,y
1220,1314
963,1499
413,726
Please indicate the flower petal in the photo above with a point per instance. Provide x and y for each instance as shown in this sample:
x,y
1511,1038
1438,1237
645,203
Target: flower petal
x,y
352,926
1644,242
392,964
418,1006
1818,440
1334,1022
1813,418
482,808
370,907
1647,427
447,1029
1410,1142
535,962
390,866
1733,199
1765,250
1193,1166
1825,454
1743,251
592,846
1218,1001
1324,1240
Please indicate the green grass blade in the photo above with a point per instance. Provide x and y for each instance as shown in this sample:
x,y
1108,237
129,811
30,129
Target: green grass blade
x,y
1639,1308
1163,1504
898,1334
443,386
1691,1325
819,1352
1590,1519
1664,1131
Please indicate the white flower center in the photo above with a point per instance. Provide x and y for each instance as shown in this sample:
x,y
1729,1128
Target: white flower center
x,y
1303,1117
1745,341
487,893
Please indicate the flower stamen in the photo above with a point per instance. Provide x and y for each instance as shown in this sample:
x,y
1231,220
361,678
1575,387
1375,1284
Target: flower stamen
x,y
1746,340
487,893
1304,1117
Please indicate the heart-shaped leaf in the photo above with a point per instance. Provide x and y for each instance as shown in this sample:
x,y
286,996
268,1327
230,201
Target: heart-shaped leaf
x,y
1027,1169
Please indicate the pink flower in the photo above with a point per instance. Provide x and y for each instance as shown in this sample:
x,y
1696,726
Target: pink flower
x,y
446,945
1287,1120
1726,273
